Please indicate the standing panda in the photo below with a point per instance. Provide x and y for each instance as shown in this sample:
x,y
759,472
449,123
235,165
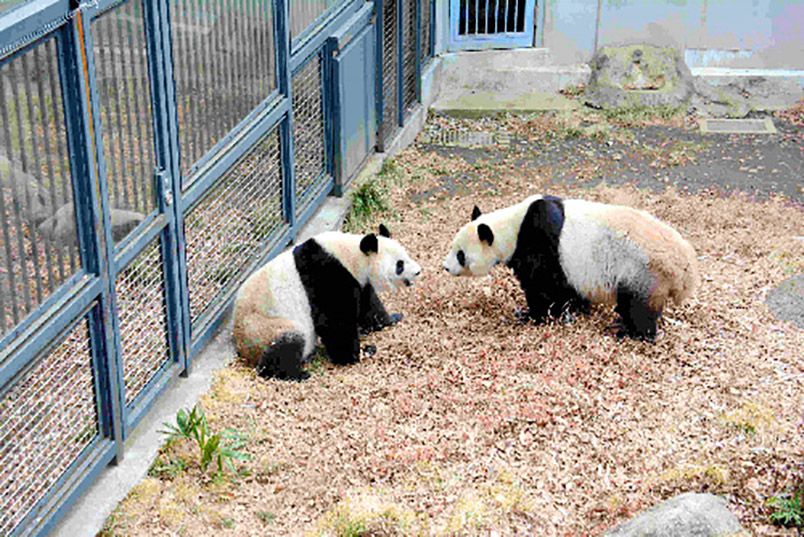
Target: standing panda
x,y
323,287
568,254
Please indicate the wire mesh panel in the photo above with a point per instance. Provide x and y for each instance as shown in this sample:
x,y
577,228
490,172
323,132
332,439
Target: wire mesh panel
x,y
409,80
127,131
48,417
427,14
309,136
390,108
303,13
140,295
38,238
491,16
223,65
231,227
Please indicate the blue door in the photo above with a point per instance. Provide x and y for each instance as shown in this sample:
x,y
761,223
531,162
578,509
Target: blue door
x,y
487,24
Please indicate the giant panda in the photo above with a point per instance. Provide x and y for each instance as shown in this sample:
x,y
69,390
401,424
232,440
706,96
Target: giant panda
x,y
568,254
324,287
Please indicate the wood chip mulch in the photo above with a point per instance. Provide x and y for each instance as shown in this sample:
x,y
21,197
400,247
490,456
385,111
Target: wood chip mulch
x,y
467,422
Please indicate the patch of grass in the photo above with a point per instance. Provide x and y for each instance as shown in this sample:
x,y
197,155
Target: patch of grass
x,y
222,448
366,515
171,467
266,517
632,116
750,418
368,199
787,510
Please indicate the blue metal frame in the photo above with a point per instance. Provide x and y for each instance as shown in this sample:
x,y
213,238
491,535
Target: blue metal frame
x,y
90,293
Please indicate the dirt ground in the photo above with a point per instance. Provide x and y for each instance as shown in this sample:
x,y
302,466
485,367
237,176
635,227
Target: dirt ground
x,y
467,422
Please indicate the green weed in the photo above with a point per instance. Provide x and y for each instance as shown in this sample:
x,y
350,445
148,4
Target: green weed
x,y
787,511
266,517
222,448
367,200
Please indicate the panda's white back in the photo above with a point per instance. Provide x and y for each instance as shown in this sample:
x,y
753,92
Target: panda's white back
x,y
596,258
287,297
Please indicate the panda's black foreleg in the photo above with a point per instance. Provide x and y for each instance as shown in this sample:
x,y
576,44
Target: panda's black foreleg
x,y
373,315
283,359
639,319
342,343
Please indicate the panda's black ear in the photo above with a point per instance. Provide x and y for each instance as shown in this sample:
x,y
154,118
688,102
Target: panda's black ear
x,y
384,232
485,234
368,244
475,213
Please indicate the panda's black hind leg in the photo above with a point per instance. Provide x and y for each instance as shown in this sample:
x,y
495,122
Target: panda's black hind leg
x,y
283,359
638,319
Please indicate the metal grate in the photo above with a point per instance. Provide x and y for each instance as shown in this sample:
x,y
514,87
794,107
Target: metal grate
x,y
121,65
427,49
390,121
47,418
478,17
303,13
309,141
224,67
141,308
455,138
38,238
739,126
231,227
409,55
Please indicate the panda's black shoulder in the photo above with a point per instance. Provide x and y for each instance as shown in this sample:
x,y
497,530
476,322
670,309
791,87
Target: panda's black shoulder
x,y
543,222
315,264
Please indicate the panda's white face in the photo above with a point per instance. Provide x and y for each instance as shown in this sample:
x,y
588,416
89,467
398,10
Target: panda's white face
x,y
392,266
469,255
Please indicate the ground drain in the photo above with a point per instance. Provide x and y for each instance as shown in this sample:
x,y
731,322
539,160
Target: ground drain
x,y
464,138
740,126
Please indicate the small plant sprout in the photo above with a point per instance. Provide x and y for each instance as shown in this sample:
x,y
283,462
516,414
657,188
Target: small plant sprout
x,y
787,510
222,448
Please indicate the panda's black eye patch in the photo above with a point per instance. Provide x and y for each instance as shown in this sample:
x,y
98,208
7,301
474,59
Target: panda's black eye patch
x,y
400,266
461,258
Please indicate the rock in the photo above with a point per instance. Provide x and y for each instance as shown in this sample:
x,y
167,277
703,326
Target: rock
x,y
686,515
61,226
638,75
786,301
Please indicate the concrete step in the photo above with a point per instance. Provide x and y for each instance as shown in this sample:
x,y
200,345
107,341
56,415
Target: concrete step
x,y
508,71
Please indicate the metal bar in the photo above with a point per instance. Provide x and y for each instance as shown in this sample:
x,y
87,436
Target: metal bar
x,y
120,197
70,250
142,135
17,212
129,179
203,83
517,19
15,313
49,251
36,173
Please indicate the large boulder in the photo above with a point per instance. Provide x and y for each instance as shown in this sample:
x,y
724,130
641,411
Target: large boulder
x,y
638,75
686,515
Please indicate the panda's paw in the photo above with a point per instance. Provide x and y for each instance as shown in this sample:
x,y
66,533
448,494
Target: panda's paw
x,y
369,350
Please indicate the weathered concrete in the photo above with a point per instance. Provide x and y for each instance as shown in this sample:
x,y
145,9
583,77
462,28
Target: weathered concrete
x,y
686,515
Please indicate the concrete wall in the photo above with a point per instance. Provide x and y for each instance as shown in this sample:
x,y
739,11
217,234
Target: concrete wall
x,y
733,33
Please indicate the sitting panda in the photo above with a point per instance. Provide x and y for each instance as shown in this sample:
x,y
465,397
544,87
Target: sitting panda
x,y
568,254
323,287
